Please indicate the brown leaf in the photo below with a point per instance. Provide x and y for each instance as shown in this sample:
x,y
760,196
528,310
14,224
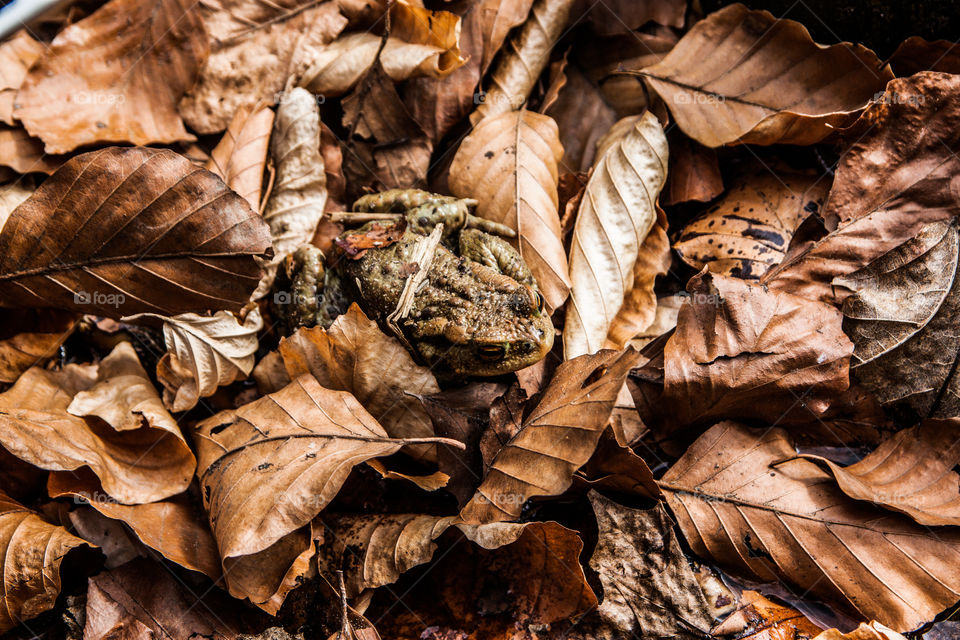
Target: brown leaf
x,y
496,20
17,55
694,173
624,16
742,76
758,618
649,588
33,553
866,631
509,164
267,468
748,230
354,355
605,61
256,47
616,213
582,117
174,527
30,337
240,156
911,472
525,57
738,502
24,154
115,76
740,350
134,446
890,183
558,436
916,54
901,319
12,196
127,230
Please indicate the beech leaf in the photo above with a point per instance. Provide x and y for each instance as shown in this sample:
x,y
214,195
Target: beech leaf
x,y
240,156
17,55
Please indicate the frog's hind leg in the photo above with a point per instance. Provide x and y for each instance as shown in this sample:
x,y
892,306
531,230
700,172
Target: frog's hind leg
x,y
495,253
402,200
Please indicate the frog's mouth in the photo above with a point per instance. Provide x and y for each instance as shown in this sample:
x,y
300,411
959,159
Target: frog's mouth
x,y
499,358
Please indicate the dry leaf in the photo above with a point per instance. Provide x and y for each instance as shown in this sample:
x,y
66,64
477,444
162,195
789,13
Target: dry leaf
x,y
742,76
758,618
30,337
17,55
354,355
748,230
740,350
525,57
866,631
616,214
614,17
912,471
256,47
421,43
203,354
115,76
649,589
556,438
24,154
694,172
33,551
915,55
901,319
738,502
583,117
299,193
124,230
509,164
267,468
149,462
12,196
240,156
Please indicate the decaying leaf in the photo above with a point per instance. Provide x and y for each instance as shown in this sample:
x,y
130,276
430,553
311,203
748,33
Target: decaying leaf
x,y
299,194
742,76
124,436
759,618
901,319
354,355
115,76
30,337
556,438
127,230
242,153
526,55
203,354
23,153
740,350
749,230
12,196
649,589
17,55
694,172
582,117
624,16
915,55
33,551
912,471
509,164
616,213
743,499
895,179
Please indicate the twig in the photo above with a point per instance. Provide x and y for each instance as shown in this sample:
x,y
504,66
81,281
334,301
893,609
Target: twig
x,y
423,254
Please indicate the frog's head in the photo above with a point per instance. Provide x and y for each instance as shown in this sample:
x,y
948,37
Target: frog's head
x,y
494,326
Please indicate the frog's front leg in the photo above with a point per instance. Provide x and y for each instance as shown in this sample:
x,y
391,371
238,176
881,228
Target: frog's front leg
x,y
495,253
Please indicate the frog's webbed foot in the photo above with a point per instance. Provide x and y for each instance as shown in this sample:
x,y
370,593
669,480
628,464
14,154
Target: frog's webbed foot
x,y
495,253
305,294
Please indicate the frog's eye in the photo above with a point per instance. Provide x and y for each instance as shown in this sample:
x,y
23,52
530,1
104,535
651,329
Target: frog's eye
x,y
491,352
539,301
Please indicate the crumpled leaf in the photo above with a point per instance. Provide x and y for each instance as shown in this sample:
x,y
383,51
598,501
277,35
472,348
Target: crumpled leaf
x,y
30,337
17,55
267,468
915,55
421,43
127,230
759,618
299,194
137,450
354,355
649,589
25,154
616,214
865,631
740,350
694,172
509,164
240,156
912,471
115,76
255,48
33,551
743,499
901,319
524,57
557,437
582,117
895,179
742,76
624,16
203,354
749,229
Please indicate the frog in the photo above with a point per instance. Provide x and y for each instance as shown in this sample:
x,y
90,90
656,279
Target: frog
x,y
445,282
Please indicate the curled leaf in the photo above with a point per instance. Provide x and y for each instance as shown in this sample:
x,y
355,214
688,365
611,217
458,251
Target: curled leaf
x,y
17,55
240,156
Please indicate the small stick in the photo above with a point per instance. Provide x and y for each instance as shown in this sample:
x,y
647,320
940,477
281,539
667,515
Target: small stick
x,y
349,217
